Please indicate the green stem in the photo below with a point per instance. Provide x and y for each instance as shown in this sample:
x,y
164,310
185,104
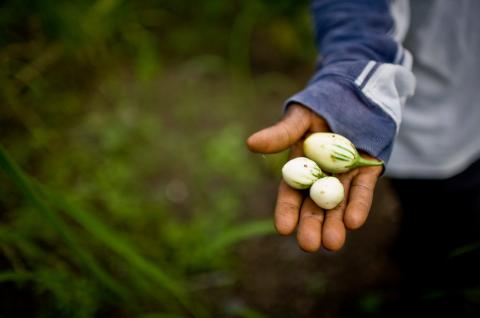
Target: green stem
x,y
361,162
320,175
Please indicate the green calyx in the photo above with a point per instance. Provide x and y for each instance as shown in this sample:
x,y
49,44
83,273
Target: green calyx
x,y
362,162
350,154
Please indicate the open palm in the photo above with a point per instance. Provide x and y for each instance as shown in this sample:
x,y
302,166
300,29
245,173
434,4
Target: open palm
x,y
316,227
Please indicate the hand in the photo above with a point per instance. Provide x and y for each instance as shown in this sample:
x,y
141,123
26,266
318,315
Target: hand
x,y
316,227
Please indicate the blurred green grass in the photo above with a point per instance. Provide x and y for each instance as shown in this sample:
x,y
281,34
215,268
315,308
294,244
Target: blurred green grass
x,y
125,182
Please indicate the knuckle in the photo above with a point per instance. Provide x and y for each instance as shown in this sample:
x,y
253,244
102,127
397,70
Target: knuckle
x,y
317,215
286,206
361,186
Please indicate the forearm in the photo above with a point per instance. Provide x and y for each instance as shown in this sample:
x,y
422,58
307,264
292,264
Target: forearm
x,y
364,75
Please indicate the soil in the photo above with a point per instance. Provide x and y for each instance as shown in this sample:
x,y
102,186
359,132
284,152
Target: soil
x,y
280,280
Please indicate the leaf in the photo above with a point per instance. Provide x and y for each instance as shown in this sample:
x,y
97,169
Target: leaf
x,y
23,184
239,233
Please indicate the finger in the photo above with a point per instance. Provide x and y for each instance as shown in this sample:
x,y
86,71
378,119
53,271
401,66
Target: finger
x,y
334,231
284,212
360,199
287,209
296,150
318,124
310,227
283,134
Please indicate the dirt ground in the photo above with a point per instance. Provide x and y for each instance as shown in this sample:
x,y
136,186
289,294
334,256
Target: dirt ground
x,y
280,280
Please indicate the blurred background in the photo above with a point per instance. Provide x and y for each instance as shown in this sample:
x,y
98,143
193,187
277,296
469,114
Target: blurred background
x,y
126,189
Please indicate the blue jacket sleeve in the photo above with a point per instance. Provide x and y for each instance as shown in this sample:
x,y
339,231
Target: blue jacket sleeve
x,y
363,77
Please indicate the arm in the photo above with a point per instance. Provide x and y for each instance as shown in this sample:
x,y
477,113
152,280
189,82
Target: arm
x,y
364,77
357,91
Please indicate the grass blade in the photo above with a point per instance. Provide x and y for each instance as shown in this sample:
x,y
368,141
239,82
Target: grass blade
x,y
23,184
11,276
118,244
465,249
240,233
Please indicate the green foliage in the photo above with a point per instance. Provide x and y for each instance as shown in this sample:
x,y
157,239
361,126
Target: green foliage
x,y
370,303
125,183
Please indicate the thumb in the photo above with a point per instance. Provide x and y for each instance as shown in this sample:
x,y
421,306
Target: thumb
x,y
284,133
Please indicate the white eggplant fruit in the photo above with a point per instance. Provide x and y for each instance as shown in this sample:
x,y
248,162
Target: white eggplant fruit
x,y
334,153
301,172
327,192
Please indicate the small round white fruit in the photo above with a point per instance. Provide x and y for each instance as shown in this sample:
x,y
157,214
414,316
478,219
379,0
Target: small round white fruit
x,y
327,192
301,172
